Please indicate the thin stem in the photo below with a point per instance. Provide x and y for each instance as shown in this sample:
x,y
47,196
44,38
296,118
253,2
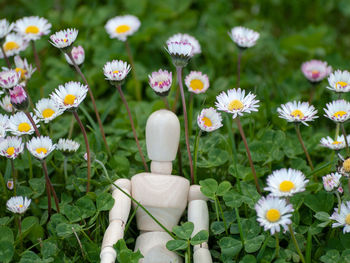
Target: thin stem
x,y
48,193
262,249
87,149
51,186
71,127
239,225
177,95
297,129
296,243
248,154
345,138
32,122
190,113
103,166
277,246
217,210
132,126
30,165
5,56
337,131
308,247
196,156
92,100
166,103
239,67
65,162
188,252
222,214
80,245
137,83
4,187
36,56
339,200
14,176
20,231
179,79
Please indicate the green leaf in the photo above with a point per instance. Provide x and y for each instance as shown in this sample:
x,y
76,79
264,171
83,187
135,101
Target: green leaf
x,y
223,188
184,231
28,223
37,185
253,245
322,216
233,199
230,247
332,256
104,202
176,245
249,259
125,255
86,207
6,251
48,249
65,230
71,212
200,237
320,201
217,227
209,187
6,234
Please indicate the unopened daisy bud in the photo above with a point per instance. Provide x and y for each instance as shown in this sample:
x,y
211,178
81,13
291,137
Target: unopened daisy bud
x,y
244,37
116,71
78,55
338,110
19,97
6,105
5,28
70,95
64,39
180,52
331,181
343,218
339,81
9,184
9,78
197,82
47,110
297,111
32,27
40,147
186,39
160,81
92,157
209,120
121,27
13,44
11,147
18,204
315,70
67,146
340,189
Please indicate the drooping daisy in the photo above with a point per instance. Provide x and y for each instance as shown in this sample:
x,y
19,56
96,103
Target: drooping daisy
x,y
342,219
40,147
297,111
180,52
9,184
20,124
5,28
9,78
244,37
338,110
209,120
47,110
6,105
315,70
273,213
286,182
337,144
186,39
78,55
70,95
116,71
11,147
18,204
19,97
339,81
32,27
13,44
121,27
197,82
67,145
160,81
64,39
331,181
236,103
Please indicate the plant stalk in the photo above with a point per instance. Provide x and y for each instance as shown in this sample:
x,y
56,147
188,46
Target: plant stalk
x,y
5,56
196,144
297,129
345,138
296,243
36,56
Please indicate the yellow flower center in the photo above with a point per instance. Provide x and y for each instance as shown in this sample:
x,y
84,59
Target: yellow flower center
x,y
19,206
196,84
23,72
207,122
24,127
47,113
341,84
315,71
41,150
10,151
297,113
235,105
346,165
286,186
273,215
122,29
336,142
69,99
347,219
115,71
32,30
10,46
65,40
339,114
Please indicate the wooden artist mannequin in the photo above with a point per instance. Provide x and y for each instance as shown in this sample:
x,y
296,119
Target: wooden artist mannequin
x,y
164,195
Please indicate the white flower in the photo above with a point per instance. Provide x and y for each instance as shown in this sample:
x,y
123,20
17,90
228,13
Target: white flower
x,y
5,27
186,39
24,68
121,27
9,184
18,204
338,110
21,125
64,38
244,37
47,110
343,219
4,123
180,49
70,95
339,81
337,144
286,182
273,213
235,102
67,145
40,147
11,147
78,55
297,111
116,70
197,82
160,81
331,181
209,120
13,44
6,105
9,78
315,70
32,27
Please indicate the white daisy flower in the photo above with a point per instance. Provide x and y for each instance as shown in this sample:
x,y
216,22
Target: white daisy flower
x,y
78,55
197,82
186,39
5,27
6,105
32,27
47,110
40,147
67,145
343,219
4,120
244,37
11,147
297,111
337,144
160,81
209,120
331,181
13,44
9,78
273,213
70,95
121,27
338,110
9,184
339,81
20,124
236,103
180,52
23,67
315,70
286,182
65,38
116,70
18,204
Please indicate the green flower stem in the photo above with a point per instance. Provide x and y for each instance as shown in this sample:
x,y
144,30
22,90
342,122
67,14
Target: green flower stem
x,y
217,210
262,249
138,91
297,129
190,113
337,131
14,176
102,165
5,56
222,214
65,163
30,165
71,128
36,56
198,135
308,247
51,186
345,138
166,103
239,225
188,252
339,200
277,254
296,243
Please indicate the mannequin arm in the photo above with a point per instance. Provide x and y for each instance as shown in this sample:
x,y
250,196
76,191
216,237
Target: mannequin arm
x,y
117,219
198,214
